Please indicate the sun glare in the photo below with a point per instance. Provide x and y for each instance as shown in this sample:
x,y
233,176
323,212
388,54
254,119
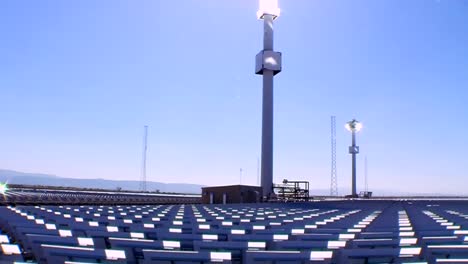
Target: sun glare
x,y
3,188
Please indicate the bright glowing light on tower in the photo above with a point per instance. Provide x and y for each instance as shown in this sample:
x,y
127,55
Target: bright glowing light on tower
x,y
3,188
353,126
268,7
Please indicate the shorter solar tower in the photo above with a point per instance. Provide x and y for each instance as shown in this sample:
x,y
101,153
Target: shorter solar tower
x,y
353,126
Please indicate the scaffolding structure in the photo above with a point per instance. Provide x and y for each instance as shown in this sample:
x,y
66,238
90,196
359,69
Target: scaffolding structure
x,y
292,191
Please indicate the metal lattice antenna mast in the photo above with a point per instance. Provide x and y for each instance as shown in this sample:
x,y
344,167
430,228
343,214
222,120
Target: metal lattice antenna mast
x,y
334,178
365,175
240,176
143,165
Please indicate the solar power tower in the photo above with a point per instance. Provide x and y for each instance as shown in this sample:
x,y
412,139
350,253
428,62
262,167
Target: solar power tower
x,y
353,126
268,64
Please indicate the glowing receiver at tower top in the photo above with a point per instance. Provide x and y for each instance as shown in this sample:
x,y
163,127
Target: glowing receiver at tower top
x,y
268,7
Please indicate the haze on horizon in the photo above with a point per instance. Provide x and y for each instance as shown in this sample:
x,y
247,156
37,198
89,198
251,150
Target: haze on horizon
x,y
79,80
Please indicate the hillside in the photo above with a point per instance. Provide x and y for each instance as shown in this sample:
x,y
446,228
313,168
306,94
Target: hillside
x,y
15,177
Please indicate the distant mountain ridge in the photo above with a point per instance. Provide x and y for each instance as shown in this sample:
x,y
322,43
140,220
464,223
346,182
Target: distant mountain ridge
x,y
15,177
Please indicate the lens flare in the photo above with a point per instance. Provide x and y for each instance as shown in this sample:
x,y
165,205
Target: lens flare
x,y
3,188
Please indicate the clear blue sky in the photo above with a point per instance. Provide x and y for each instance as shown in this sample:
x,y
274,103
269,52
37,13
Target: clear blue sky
x,y
79,79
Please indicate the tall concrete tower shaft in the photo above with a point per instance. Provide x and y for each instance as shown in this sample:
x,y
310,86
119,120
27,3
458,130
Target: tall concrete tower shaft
x,y
268,64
